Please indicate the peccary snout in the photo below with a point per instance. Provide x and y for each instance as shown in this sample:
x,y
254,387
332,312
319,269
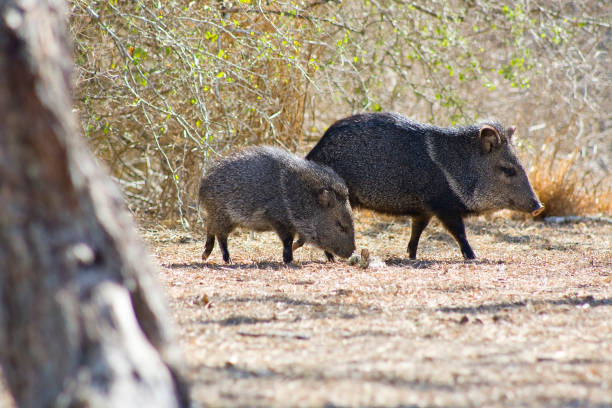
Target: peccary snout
x,y
268,189
335,222
532,205
537,208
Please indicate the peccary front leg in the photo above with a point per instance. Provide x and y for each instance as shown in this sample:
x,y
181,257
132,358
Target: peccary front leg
x,y
418,225
223,244
454,225
210,244
287,249
286,235
330,256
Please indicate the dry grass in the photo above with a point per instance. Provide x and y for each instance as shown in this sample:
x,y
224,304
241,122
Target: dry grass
x,y
565,189
528,324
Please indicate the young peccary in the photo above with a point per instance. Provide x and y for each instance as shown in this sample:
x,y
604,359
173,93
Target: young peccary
x,y
397,166
267,189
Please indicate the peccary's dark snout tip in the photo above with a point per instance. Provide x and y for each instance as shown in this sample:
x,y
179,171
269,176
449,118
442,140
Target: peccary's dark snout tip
x,y
345,253
538,208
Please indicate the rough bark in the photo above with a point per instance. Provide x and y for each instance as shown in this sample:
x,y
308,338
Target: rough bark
x,y
82,321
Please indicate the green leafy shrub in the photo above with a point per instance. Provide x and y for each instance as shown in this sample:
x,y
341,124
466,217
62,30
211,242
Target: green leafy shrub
x,y
164,86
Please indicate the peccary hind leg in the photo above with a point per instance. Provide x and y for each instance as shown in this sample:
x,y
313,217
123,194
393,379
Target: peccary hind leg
x,y
418,225
210,244
454,225
330,256
223,244
287,249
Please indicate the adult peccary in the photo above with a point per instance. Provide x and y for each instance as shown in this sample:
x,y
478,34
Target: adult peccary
x,y
397,166
265,188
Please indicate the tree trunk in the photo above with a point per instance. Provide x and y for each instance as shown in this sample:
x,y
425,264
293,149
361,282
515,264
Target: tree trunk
x,y
82,321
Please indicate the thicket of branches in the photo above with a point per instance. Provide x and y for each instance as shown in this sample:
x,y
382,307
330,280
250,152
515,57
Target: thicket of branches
x,y
164,86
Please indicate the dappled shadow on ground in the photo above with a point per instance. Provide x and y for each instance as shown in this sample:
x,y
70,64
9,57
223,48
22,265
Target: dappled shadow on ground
x,y
513,328
238,266
535,241
240,319
496,307
236,376
391,261
516,233
338,309
270,299
235,372
308,309
424,263
516,238
576,403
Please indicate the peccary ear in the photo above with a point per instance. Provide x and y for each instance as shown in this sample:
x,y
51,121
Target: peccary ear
x,y
511,131
325,198
489,138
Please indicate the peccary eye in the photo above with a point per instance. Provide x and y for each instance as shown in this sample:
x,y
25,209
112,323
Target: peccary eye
x,y
340,226
508,171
